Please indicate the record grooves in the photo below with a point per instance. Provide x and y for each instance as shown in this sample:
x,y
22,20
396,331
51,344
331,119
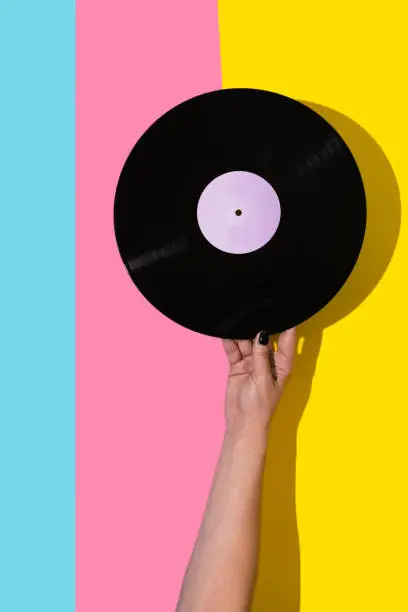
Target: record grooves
x,y
299,194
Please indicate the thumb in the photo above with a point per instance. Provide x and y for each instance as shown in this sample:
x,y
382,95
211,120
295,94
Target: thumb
x,y
287,343
261,356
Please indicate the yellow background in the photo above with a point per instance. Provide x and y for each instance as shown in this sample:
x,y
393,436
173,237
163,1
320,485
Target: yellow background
x,y
342,426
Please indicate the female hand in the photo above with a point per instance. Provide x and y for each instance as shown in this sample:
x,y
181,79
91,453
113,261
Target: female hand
x,y
222,569
257,375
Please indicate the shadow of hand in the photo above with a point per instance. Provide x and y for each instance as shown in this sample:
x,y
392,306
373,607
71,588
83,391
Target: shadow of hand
x,y
278,585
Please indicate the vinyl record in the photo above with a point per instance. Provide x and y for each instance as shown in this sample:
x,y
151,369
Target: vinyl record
x,y
240,210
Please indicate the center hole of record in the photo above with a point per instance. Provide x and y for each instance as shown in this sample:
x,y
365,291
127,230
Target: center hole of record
x,y
238,191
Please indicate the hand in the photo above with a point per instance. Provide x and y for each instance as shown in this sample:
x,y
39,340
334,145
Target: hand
x,y
256,379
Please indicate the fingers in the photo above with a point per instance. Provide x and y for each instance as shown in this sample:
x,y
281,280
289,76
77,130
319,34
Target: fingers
x,y
261,364
245,346
279,368
232,351
287,344
237,350
286,353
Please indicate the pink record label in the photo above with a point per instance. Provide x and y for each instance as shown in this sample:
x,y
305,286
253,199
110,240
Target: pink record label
x,y
238,212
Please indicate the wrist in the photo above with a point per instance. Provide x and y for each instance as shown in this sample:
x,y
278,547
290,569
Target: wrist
x,y
252,438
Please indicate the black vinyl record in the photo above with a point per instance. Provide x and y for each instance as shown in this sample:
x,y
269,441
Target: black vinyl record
x,y
240,210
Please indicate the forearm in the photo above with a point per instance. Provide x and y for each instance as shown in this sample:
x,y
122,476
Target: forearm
x,y
222,568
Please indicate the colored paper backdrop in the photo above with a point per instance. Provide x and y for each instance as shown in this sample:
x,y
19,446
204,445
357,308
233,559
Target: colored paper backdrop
x,y
141,419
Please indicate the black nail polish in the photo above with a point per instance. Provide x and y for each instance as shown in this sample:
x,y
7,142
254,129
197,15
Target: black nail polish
x,y
264,337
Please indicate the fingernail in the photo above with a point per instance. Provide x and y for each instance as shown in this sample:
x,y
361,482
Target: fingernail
x,y
264,337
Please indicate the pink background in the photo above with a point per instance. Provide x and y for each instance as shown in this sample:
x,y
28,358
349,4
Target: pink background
x,y
149,393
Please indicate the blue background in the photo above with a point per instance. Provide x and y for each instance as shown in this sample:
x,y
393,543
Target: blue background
x,y
37,307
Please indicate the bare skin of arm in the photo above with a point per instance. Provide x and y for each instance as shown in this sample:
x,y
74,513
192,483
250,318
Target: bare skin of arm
x,y
222,570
